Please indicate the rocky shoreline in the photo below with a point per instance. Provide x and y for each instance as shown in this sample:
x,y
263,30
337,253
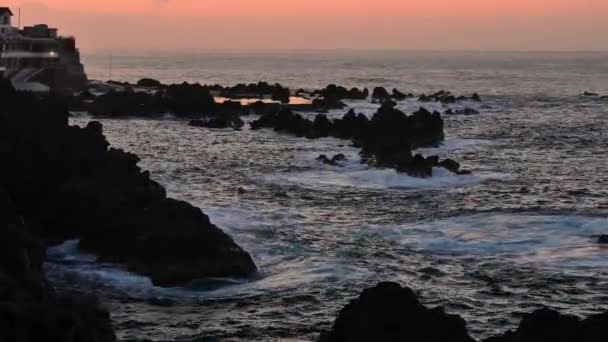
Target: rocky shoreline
x,y
386,140
61,182
389,312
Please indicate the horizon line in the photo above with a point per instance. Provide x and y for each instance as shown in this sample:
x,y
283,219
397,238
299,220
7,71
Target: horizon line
x,y
233,49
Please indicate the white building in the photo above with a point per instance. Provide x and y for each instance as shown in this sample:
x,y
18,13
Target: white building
x,y
37,54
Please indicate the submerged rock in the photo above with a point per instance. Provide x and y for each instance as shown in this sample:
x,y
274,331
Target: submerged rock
x,y
335,160
220,121
389,312
465,111
447,97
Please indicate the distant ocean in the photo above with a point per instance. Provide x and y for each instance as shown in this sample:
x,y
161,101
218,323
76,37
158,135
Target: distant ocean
x,y
505,73
514,235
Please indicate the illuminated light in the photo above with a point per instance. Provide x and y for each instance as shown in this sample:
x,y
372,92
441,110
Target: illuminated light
x,y
53,54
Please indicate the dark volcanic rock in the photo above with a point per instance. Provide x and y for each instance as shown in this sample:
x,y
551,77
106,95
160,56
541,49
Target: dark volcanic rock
x,y
399,96
182,100
602,239
465,111
387,139
335,160
74,186
149,82
327,103
220,121
30,310
389,312
447,97
252,90
547,325
341,93
381,94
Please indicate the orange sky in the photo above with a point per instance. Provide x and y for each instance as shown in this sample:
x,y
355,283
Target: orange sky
x,y
401,24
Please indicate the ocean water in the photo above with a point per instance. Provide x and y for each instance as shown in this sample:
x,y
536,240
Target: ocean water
x,y
515,235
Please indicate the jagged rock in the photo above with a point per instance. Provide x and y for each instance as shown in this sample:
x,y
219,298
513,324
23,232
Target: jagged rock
x,y
450,165
546,325
252,90
340,93
68,180
335,160
389,312
149,83
381,94
399,96
30,310
386,140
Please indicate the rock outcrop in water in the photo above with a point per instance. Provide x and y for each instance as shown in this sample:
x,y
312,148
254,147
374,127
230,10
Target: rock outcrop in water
x,y
386,140
149,83
71,185
182,100
447,97
464,111
276,91
389,312
233,121
546,325
30,309
342,93
335,160
602,239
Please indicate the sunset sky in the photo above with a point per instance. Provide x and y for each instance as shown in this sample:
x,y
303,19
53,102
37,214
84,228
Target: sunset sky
x,y
300,24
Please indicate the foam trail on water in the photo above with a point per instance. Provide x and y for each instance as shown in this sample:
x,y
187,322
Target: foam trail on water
x,y
564,242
